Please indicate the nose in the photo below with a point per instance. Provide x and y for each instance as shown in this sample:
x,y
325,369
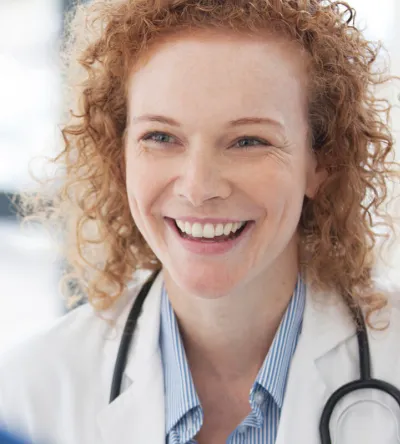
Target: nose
x,y
202,178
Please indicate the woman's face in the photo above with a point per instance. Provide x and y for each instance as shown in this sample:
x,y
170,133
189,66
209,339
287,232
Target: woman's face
x,y
217,136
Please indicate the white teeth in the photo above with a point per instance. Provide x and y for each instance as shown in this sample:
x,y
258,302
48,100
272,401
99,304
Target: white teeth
x,y
181,225
197,230
227,229
219,230
208,230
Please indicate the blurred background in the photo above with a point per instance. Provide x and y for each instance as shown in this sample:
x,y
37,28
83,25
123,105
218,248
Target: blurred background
x,y
30,98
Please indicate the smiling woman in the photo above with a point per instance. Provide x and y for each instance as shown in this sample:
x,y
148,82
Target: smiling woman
x,y
240,154
238,150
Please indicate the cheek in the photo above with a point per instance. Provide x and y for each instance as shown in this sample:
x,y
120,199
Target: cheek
x,y
144,186
137,188
274,189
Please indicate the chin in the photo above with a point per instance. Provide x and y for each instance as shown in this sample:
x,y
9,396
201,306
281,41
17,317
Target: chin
x,y
208,283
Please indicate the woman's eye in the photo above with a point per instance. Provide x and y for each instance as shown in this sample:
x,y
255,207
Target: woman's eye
x,y
247,142
158,137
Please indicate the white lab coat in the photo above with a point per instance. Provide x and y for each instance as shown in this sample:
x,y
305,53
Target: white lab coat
x,y
55,388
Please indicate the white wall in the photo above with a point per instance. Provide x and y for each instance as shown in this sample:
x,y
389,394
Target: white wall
x,y
389,31
29,86
29,98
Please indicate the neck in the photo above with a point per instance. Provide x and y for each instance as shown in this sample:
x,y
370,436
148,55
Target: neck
x,y
229,337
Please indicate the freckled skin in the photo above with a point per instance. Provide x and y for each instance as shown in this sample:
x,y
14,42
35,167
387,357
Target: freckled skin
x,y
201,166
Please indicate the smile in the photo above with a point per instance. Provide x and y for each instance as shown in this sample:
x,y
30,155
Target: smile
x,y
215,232
209,238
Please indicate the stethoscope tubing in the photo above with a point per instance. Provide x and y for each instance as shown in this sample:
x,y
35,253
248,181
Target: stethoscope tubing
x,y
127,336
365,382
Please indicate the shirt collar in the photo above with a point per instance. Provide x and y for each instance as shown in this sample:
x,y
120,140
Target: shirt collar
x,y
274,371
181,395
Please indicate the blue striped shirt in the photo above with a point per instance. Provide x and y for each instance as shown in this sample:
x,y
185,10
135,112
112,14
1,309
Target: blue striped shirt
x,y
184,414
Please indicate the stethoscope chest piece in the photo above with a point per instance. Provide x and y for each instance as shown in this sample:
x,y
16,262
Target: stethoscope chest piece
x,y
365,382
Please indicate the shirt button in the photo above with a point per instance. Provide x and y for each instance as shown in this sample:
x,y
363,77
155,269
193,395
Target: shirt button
x,y
259,398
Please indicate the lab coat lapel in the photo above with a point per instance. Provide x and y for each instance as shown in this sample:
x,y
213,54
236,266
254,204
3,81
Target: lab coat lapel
x,y
326,324
137,415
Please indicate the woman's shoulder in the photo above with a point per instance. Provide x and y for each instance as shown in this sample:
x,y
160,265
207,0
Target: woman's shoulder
x,y
74,333
385,335
56,340
74,355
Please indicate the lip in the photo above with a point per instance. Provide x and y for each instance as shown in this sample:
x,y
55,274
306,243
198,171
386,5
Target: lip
x,y
208,247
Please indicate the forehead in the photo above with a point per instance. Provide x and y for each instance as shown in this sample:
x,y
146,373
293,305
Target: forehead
x,y
220,73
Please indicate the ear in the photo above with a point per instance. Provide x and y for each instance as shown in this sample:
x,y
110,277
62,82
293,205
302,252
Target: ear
x,y
316,175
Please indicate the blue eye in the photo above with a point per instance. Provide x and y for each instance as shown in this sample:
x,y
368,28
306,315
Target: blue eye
x,y
157,137
248,142
164,138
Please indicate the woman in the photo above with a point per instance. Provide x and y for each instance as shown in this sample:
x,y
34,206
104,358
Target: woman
x,y
238,147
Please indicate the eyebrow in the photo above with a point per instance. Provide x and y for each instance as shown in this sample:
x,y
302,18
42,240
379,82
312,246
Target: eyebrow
x,y
237,122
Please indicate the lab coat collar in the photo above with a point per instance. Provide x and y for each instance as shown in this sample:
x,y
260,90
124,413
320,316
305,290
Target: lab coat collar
x,y
327,322
327,325
137,415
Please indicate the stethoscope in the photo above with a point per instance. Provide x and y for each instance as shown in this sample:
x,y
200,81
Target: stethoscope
x,y
365,382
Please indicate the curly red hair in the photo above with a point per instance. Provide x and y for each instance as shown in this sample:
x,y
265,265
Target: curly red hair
x,y
348,124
